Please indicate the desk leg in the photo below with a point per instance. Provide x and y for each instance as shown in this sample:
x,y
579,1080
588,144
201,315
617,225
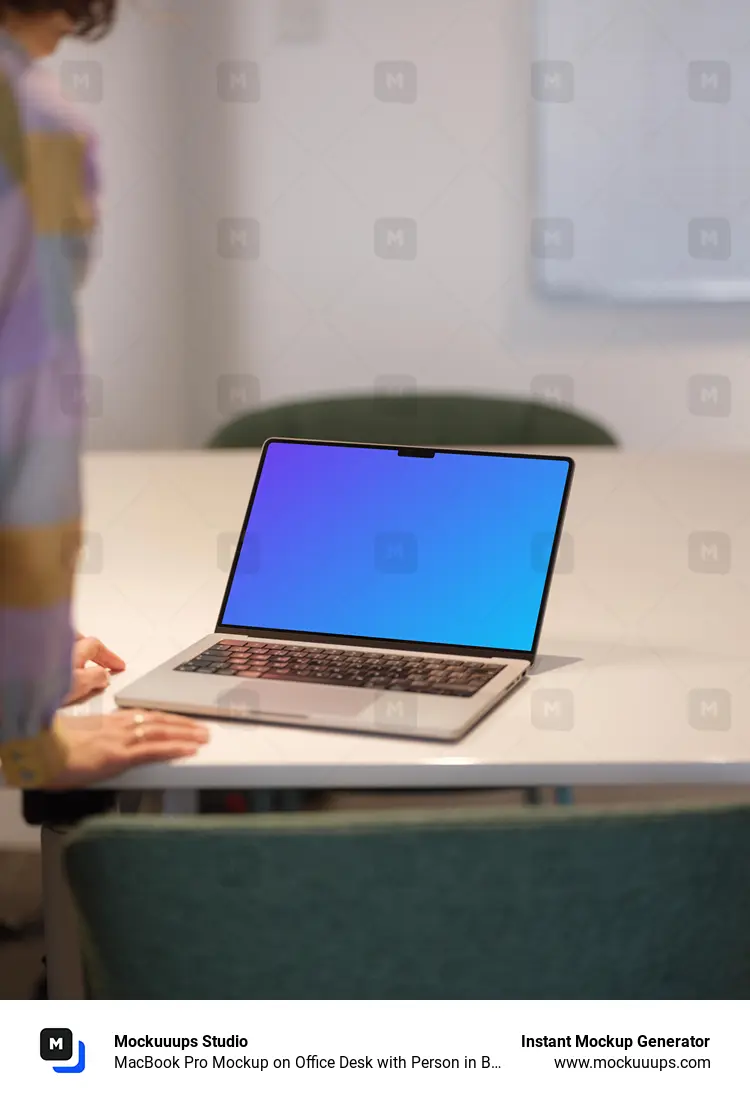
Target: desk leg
x,y
65,980
180,802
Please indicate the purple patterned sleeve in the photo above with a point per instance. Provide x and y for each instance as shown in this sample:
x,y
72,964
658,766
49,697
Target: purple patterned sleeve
x,y
48,201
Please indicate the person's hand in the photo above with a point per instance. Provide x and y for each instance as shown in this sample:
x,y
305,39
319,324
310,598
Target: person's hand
x,y
88,678
102,747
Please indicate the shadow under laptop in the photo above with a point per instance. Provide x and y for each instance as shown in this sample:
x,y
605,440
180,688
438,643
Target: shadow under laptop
x,y
549,663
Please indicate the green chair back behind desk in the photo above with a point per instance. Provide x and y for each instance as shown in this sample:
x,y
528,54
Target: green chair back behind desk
x,y
440,419
545,903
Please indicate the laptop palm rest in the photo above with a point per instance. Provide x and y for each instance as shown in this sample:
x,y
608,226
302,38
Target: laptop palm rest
x,y
248,701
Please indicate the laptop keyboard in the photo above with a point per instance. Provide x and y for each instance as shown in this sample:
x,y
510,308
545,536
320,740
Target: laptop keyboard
x,y
341,668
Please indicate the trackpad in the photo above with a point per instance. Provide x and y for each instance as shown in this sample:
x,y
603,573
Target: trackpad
x,y
275,701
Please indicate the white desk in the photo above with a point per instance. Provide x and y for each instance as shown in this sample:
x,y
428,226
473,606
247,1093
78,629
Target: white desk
x,y
640,629
631,631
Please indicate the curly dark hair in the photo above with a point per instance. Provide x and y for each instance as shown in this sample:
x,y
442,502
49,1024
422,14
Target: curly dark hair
x,y
93,18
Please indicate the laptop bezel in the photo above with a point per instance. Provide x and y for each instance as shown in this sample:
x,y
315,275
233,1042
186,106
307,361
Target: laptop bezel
x,y
389,643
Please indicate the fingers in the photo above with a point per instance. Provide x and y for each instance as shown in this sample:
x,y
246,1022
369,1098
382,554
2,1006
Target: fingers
x,y
91,649
153,737
162,737
157,723
160,752
152,734
85,681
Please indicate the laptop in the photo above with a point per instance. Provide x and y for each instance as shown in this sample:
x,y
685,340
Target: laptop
x,y
394,591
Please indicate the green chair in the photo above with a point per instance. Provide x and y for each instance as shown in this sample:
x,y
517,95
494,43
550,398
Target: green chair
x,y
534,904
437,419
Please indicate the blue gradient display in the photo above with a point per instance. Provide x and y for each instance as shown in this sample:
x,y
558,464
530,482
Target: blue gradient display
x,y
453,549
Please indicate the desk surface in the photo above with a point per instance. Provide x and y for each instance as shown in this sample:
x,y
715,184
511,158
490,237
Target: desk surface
x,y
644,673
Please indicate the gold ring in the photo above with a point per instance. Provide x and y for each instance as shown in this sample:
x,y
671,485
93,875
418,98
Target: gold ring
x,y
139,720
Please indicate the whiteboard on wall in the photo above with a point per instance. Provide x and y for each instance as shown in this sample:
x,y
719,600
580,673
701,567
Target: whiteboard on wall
x,y
642,149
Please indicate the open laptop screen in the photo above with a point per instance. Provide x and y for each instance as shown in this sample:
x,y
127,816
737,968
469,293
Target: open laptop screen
x,y
369,542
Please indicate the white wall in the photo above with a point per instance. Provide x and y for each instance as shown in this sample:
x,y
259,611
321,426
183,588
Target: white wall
x,y
134,306
317,160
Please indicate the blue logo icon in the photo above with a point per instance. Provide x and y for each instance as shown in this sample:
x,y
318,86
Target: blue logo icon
x,y
56,1045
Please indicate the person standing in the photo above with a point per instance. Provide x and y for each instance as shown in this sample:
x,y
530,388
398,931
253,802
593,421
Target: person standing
x,y
49,187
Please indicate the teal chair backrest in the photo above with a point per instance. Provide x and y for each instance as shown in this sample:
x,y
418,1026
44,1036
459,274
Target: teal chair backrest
x,y
445,904
441,420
